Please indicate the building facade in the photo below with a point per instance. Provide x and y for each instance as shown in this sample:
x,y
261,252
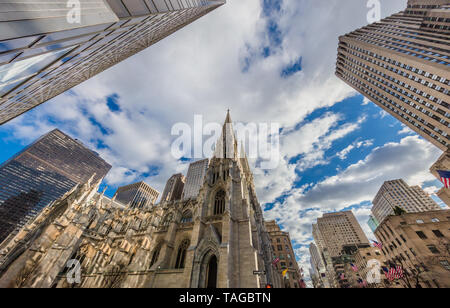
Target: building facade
x,y
174,188
402,64
282,249
42,173
340,229
373,223
332,233
137,195
397,193
218,239
443,164
419,243
318,267
50,48
195,178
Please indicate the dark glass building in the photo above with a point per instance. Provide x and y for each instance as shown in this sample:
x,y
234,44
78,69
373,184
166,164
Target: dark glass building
x,y
47,48
42,173
137,195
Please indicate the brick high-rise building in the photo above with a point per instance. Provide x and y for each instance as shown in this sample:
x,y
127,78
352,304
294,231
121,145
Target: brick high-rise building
x,y
40,174
282,249
340,229
402,64
174,188
419,242
137,195
48,47
195,178
397,193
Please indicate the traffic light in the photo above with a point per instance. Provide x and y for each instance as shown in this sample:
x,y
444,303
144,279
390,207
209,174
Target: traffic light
x,y
269,286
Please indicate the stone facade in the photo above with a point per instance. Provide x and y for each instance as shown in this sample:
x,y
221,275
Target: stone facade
x,y
282,248
443,163
215,240
419,242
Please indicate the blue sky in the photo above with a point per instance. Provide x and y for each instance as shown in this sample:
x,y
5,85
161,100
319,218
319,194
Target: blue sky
x,y
267,61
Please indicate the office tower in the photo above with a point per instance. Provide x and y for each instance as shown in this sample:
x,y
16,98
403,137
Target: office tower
x,y
402,64
174,188
48,47
316,259
418,242
397,193
282,249
40,174
195,178
137,195
442,164
340,229
373,223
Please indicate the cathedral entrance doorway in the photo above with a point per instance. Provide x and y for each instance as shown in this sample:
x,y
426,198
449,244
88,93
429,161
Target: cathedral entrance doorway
x,y
211,278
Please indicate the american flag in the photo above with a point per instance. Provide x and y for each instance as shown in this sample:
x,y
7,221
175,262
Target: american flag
x,y
445,177
378,245
275,262
354,267
398,272
393,272
387,273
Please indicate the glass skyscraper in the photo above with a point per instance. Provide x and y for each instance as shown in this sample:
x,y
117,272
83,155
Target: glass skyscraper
x,y
42,173
47,48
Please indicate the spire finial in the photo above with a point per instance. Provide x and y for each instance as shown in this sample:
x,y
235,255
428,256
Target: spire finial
x,y
228,119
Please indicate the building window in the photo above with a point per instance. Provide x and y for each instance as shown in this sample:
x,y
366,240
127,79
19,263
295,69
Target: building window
x,y
438,233
219,203
445,264
435,220
420,221
155,256
421,235
433,249
187,217
181,256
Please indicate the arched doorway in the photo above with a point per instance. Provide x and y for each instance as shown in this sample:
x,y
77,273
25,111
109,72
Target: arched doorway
x,y
211,279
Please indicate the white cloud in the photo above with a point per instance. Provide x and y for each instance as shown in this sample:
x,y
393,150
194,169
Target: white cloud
x,y
356,184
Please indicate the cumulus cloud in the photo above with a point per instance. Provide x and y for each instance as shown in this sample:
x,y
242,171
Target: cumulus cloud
x,y
357,184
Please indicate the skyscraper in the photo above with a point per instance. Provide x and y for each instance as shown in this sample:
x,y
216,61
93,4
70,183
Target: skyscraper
x,y
373,223
402,64
195,178
340,229
48,48
174,188
40,174
397,193
137,195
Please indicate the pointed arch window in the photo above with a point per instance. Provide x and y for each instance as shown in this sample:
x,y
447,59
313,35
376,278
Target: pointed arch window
x,y
187,217
219,203
155,255
167,220
181,255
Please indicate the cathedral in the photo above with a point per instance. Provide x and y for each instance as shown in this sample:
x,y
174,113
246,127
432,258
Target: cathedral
x,y
214,240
